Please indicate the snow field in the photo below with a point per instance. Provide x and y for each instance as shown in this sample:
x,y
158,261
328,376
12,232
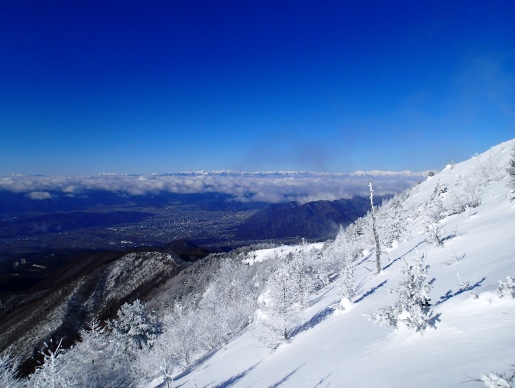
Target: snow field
x,y
474,333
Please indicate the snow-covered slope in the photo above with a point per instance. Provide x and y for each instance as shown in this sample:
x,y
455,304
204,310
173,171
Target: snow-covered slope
x,y
307,315
474,332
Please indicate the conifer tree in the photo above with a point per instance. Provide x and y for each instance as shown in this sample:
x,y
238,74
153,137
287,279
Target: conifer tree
x,y
412,307
135,326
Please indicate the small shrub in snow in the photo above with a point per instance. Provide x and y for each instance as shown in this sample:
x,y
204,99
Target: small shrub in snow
x,y
412,307
506,288
466,193
498,380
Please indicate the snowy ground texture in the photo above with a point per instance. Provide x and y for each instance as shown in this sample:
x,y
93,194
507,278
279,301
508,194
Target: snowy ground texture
x,y
473,335
440,313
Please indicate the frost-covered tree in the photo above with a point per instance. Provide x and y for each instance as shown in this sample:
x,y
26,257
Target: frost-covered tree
x,y
498,380
412,307
346,281
8,368
183,333
466,192
391,218
355,236
135,326
506,288
374,228
282,303
327,261
511,172
98,359
228,303
51,374
434,212
300,266
158,361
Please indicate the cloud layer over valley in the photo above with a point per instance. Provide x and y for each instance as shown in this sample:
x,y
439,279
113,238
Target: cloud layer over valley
x,y
273,187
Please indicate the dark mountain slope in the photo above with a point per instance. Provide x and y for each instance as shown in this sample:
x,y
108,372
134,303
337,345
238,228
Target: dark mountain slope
x,y
314,220
92,285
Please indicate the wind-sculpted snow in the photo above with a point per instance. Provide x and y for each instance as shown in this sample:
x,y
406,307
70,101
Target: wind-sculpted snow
x,y
270,187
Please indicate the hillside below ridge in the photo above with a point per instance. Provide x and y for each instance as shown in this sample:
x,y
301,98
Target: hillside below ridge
x,y
474,330
440,312
92,286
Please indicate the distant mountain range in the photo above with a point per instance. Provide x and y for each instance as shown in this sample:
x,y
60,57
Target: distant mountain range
x,y
372,173
312,220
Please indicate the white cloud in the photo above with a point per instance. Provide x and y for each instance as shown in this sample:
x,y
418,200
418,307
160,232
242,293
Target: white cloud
x,y
263,186
39,195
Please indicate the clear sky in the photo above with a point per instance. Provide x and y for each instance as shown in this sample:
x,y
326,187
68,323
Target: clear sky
x,y
160,86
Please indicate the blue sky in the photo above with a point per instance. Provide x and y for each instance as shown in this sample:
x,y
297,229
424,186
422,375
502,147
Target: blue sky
x,y
162,86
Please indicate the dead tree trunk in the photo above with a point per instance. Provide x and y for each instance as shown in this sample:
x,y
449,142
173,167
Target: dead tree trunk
x,y
376,237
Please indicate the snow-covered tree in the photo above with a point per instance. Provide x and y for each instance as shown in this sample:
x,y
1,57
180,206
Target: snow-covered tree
x,y
374,229
346,281
228,303
506,288
466,192
412,307
434,212
135,325
8,368
282,303
498,380
327,261
511,172
391,218
183,333
158,361
300,266
51,374
98,359
355,236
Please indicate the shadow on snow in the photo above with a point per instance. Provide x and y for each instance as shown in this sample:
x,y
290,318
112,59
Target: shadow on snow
x,y
400,257
371,291
450,294
323,380
234,379
315,320
285,378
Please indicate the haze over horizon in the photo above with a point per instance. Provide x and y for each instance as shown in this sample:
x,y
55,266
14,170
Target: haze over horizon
x,y
127,87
